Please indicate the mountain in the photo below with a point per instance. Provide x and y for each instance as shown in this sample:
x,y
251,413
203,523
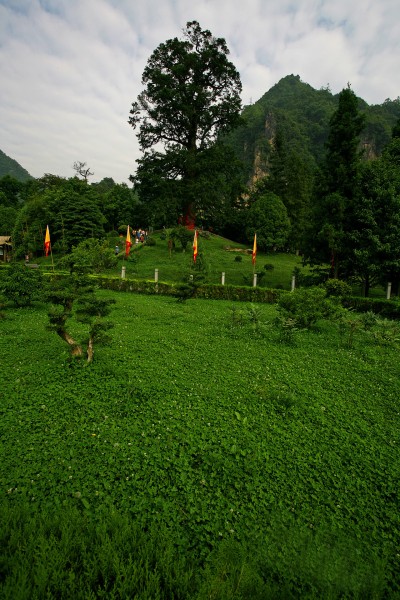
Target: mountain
x,y
9,166
301,114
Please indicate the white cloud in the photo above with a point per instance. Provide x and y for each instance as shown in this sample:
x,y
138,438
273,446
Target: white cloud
x,y
70,69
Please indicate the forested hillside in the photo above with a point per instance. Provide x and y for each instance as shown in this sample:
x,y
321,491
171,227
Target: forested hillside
x,y
299,115
9,166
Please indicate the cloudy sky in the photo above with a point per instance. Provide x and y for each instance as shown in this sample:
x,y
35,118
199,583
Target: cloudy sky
x,y
70,69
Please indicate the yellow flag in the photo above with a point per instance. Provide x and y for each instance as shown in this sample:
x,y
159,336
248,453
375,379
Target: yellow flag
x,y
47,242
254,253
128,242
195,246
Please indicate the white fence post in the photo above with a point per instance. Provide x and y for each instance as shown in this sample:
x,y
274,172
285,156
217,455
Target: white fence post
x,y
223,278
123,272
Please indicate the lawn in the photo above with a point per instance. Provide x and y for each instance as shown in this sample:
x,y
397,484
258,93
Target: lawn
x,y
217,433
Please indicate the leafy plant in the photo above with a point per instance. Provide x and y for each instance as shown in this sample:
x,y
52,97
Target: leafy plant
x,y
74,295
287,328
91,254
181,234
307,306
22,285
336,287
386,332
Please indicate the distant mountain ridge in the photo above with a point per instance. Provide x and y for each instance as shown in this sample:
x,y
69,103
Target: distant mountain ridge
x,y
9,166
302,114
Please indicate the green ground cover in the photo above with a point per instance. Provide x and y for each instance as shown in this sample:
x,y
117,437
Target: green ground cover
x,y
219,256
272,470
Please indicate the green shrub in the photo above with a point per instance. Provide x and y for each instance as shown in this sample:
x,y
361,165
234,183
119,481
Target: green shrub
x,y
337,287
389,309
269,267
22,285
306,306
183,235
151,241
92,255
238,258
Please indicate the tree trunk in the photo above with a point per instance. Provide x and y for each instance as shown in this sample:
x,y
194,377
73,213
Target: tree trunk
x,y
90,350
76,349
366,286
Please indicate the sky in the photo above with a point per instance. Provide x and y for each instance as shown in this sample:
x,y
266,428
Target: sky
x,y
70,69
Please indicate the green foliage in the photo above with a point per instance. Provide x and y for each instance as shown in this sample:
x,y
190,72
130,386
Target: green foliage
x,y
306,306
72,297
90,255
267,216
337,189
8,216
11,168
194,459
386,332
384,308
151,241
21,284
268,267
336,287
238,258
181,234
287,329
191,98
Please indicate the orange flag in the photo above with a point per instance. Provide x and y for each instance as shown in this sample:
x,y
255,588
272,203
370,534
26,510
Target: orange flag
x,y
195,246
254,253
47,242
128,242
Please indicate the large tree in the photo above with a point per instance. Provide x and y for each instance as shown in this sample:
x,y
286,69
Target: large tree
x,y
267,216
375,232
338,187
191,99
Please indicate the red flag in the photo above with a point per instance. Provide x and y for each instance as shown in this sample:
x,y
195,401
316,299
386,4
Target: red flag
x,y
195,246
128,242
254,253
47,242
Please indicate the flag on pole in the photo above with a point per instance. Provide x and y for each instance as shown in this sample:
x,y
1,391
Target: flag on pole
x,y
195,246
128,242
254,253
47,242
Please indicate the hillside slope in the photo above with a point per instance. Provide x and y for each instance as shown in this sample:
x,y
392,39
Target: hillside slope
x,y
9,166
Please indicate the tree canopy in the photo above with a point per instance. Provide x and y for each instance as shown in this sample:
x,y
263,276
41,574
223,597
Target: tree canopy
x,y
191,98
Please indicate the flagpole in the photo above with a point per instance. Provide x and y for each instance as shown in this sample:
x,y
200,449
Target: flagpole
x,y
52,261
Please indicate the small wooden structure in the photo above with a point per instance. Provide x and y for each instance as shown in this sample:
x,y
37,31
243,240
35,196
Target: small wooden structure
x,y
5,248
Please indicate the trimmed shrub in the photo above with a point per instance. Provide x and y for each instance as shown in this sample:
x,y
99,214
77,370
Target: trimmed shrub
x,y
337,287
307,306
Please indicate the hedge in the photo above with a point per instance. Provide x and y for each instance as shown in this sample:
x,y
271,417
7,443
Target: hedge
x,y
209,291
389,309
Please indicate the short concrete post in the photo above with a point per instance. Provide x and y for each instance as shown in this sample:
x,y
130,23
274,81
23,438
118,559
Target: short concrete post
x,y
123,272
388,291
293,282
223,278
255,280
156,275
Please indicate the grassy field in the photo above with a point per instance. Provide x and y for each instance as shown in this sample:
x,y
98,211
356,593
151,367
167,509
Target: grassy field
x,y
219,256
258,469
